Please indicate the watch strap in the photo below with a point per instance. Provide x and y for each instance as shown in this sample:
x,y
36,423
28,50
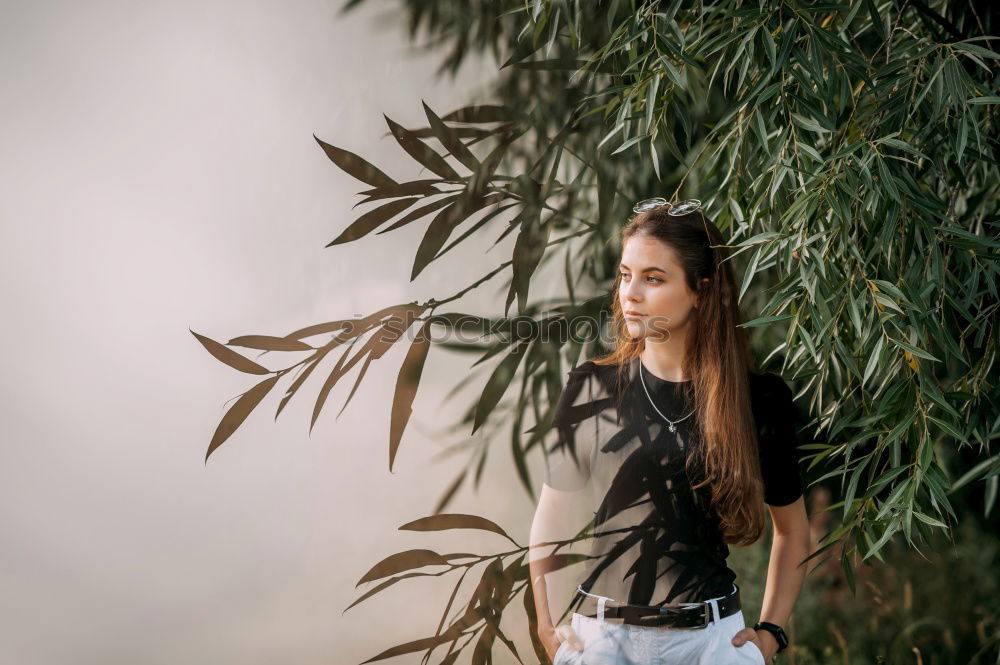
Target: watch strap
x,y
776,630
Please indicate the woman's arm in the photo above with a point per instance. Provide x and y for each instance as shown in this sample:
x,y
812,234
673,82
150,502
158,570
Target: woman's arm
x,y
791,544
551,521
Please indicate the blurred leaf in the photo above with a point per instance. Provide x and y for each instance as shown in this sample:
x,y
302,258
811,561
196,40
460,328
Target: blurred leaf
x,y
420,151
450,140
497,383
355,166
371,220
528,250
406,388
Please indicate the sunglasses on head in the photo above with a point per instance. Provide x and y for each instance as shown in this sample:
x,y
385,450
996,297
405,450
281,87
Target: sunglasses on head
x,y
680,208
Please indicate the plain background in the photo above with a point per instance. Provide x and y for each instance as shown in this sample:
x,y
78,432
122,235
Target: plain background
x,y
159,174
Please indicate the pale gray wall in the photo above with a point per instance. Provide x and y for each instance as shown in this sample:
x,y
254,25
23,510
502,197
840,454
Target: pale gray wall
x,y
159,173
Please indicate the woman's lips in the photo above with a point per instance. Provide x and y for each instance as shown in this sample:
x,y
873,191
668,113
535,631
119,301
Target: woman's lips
x,y
633,315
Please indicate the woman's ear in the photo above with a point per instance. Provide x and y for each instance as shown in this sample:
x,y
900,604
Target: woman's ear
x,y
701,285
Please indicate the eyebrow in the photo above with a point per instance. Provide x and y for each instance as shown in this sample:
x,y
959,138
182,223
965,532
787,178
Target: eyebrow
x,y
649,269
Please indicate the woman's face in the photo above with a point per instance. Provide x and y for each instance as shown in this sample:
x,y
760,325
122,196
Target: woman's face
x,y
652,285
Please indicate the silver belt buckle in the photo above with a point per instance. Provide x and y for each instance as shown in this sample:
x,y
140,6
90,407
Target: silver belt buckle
x,y
707,614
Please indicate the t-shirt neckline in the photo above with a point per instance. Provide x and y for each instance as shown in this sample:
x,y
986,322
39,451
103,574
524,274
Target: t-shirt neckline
x,y
652,379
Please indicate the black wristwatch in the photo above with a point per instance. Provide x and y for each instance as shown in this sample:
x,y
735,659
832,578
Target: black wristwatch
x,y
776,630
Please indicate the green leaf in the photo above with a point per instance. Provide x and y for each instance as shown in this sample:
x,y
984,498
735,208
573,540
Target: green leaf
x,y
230,357
889,532
239,411
750,272
420,151
529,247
876,22
402,561
977,50
927,519
481,113
498,382
440,229
914,350
873,360
406,388
949,428
902,145
845,563
764,320
450,140
651,100
807,123
371,220
269,343
886,179
355,166
976,239
447,521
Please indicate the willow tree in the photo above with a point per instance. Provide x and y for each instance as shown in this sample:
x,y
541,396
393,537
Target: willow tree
x,y
847,150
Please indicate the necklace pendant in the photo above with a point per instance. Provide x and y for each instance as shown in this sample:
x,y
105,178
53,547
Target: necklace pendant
x,y
672,428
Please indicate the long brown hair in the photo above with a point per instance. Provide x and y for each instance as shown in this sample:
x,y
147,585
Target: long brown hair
x,y
717,360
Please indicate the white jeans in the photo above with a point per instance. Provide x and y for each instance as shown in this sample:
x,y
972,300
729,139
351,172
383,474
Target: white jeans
x,y
606,643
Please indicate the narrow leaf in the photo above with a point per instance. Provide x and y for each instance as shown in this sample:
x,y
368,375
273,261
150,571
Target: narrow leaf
x,y
406,388
420,151
446,521
238,412
401,562
230,357
269,343
355,166
371,220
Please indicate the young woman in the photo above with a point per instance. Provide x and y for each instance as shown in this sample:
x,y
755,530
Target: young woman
x,y
673,443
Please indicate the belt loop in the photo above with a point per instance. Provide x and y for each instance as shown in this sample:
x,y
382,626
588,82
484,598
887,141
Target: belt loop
x,y
714,602
601,601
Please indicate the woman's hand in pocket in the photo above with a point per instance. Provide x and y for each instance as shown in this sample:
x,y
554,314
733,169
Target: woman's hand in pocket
x,y
763,640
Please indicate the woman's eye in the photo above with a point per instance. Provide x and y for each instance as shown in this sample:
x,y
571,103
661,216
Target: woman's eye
x,y
625,276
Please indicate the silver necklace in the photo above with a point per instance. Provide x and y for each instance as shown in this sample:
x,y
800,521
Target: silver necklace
x,y
672,424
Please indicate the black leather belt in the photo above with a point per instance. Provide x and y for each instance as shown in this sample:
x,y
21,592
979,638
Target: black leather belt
x,y
677,615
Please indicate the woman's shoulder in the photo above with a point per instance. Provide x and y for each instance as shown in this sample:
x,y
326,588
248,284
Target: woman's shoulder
x,y
770,394
577,375
591,368
604,372
600,378
767,383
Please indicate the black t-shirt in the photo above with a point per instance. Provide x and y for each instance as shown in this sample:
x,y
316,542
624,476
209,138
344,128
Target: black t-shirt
x,y
657,541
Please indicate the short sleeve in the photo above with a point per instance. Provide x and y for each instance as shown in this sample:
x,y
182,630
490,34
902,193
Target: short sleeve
x,y
567,463
778,420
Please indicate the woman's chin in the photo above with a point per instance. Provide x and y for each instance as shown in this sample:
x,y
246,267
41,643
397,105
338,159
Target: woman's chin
x,y
635,329
638,330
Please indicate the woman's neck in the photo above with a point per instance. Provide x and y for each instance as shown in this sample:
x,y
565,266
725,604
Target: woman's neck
x,y
664,361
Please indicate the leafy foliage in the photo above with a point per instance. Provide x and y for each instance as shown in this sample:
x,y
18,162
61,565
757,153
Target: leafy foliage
x,y
848,151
